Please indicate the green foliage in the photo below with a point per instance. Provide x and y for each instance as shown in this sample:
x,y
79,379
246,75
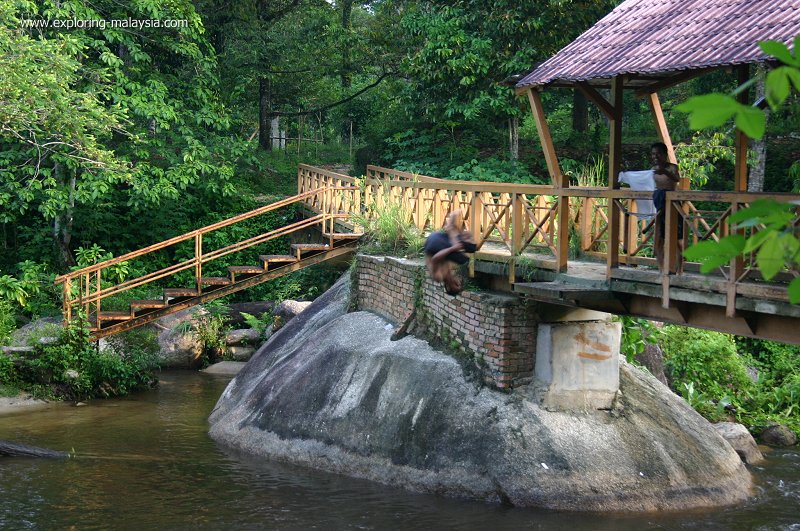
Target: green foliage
x,y
7,322
774,243
259,324
636,334
72,368
713,110
493,170
389,231
705,366
697,160
211,329
592,173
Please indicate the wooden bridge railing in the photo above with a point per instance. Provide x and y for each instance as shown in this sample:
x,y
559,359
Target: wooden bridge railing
x,y
524,219
88,287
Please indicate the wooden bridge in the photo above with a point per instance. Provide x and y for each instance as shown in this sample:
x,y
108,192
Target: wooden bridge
x,y
548,243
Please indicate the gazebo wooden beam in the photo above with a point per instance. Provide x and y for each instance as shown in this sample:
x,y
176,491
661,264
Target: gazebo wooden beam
x,y
596,98
549,149
671,81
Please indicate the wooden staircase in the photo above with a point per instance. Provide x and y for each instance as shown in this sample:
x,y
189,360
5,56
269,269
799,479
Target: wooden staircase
x,y
85,288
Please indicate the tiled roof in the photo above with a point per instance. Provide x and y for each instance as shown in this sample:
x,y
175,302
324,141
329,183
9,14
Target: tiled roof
x,y
657,37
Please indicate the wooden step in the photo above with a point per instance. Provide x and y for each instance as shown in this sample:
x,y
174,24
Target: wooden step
x,y
174,293
147,304
300,248
115,316
215,281
344,235
268,259
276,258
246,270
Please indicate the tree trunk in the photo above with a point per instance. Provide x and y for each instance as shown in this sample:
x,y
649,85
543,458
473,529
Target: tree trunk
x,y
23,450
62,224
755,181
580,112
346,75
513,137
264,114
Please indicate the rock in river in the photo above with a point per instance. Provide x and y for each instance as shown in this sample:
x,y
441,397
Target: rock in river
x,y
331,391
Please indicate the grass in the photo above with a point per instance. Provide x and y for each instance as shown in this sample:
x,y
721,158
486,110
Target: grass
x,y
8,390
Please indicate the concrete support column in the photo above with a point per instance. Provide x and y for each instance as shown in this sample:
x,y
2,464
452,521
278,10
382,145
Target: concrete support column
x,y
577,362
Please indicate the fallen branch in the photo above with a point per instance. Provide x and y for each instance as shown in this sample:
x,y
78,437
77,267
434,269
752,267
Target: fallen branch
x,y
23,450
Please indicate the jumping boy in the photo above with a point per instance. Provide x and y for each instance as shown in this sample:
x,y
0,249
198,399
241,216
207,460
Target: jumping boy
x,y
447,247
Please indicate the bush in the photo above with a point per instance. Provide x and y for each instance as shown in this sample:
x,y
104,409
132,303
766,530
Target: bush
x,y
777,394
705,369
72,368
7,322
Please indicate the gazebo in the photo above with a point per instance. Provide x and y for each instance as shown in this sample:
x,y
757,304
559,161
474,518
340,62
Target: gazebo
x,y
647,46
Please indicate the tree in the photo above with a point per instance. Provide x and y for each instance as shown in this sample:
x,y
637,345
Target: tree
x,y
111,109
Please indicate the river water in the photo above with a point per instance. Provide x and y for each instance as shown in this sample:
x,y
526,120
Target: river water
x,y
146,462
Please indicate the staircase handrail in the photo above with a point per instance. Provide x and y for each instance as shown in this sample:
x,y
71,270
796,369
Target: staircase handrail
x,y
193,234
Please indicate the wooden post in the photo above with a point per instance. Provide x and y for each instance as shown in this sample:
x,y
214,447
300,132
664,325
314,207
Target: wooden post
x,y
559,180
740,185
614,163
97,302
67,301
516,234
475,228
736,270
740,172
670,250
544,136
663,133
198,257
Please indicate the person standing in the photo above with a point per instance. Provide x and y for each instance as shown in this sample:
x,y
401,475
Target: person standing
x,y
666,177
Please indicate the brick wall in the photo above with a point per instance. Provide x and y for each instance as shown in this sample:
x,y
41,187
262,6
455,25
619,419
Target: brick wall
x,y
495,330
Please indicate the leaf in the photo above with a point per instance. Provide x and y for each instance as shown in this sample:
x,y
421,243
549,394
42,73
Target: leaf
x,y
777,86
770,257
780,51
751,121
794,290
712,255
709,110
762,208
755,241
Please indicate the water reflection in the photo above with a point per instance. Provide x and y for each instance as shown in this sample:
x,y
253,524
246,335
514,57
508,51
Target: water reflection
x,y
147,463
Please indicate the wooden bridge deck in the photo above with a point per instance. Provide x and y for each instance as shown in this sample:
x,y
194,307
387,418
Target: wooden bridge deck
x,y
693,299
524,234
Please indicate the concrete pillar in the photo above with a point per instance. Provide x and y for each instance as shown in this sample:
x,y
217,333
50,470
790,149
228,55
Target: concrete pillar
x,y
577,362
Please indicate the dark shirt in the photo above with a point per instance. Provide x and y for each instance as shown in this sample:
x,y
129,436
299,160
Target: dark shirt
x,y
439,241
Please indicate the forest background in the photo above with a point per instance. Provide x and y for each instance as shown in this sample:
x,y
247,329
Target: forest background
x,y
114,138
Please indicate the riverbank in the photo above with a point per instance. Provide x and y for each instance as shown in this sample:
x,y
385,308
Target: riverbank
x,y
21,402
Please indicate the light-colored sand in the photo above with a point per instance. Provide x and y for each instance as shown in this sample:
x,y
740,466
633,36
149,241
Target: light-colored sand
x,y
18,403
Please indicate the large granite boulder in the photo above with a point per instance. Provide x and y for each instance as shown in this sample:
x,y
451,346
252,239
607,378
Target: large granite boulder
x,y
331,391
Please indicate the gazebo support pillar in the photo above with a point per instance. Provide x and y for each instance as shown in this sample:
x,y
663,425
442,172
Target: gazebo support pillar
x,y
740,185
614,164
558,179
